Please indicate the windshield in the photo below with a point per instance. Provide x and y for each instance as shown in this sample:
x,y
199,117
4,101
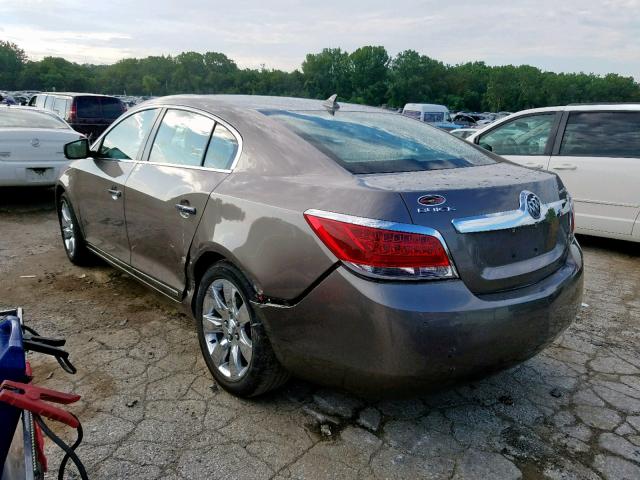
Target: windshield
x,y
372,142
23,118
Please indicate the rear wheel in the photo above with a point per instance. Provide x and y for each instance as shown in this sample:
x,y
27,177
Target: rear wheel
x,y
72,239
232,338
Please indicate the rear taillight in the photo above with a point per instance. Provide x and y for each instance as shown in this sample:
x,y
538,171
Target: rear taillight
x,y
383,249
73,113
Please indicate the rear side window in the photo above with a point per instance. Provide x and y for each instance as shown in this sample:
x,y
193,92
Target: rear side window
x,y
222,149
123,141
182,138
60,106
521,136
379,142
48,102
433,117
602,134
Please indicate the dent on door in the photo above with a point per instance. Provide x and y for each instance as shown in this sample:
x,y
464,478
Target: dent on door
x,y
164,204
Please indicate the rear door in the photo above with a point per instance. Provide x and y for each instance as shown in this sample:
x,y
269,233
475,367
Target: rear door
x,y
166,195
526,140
100,182
598,158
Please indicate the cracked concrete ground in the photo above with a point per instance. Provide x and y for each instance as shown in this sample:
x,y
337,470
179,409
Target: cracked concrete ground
x,y
149,409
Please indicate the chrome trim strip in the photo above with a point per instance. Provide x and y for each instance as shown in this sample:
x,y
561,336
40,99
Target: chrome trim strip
x,y
386,225
510,219
171,292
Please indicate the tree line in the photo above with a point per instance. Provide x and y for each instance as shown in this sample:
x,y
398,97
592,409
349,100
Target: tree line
x,y
367,75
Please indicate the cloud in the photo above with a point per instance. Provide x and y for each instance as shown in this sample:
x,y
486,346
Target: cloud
x,y
572,35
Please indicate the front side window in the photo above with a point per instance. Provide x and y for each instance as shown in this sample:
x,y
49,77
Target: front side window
x,y
182,138
521,136
379,142
123,142
602,134
222,149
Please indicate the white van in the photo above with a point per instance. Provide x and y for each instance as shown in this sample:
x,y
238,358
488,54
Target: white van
x,y
436,115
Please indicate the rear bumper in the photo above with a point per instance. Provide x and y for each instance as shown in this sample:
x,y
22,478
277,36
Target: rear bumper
x,y
17,174
370,337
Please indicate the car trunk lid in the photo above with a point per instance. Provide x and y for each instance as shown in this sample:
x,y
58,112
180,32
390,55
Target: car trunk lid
x,y
34,145
496,244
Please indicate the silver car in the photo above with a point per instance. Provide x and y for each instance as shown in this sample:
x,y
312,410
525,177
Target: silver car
x,y
340,243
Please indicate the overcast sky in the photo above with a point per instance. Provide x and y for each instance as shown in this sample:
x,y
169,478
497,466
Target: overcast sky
x,y
597,36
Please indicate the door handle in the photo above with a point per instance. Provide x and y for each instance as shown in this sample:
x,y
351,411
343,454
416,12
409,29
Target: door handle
x,y
566,166
115,193
185,210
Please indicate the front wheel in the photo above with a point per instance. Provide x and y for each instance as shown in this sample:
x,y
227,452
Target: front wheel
x,y
232,338
72,238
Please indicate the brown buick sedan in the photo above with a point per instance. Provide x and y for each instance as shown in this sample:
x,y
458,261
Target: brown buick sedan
x,y
345,244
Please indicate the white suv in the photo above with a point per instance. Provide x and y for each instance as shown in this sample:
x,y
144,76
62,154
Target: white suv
x,y
594,148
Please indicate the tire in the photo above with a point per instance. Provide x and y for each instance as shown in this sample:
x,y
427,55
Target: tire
x,y
72,239
232,338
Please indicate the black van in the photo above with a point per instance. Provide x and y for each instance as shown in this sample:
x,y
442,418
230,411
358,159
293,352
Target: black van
x,y
87,113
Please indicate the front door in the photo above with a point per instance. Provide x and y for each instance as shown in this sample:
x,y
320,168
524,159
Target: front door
x,y
166,195
100,184
524,139
599,163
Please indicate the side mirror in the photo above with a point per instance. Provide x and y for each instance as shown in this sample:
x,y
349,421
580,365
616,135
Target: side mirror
x,y
486,146
77,150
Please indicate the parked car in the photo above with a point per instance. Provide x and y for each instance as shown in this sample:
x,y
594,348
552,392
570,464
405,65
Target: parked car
x,y
32,146
463,132
594,148
87,113
435,115
345,244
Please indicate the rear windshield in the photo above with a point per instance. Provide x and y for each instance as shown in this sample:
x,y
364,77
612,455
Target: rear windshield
x,y
19,118
372,142
99,107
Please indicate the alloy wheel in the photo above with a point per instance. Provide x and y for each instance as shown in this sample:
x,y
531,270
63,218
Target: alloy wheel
x,y
226,324
67,228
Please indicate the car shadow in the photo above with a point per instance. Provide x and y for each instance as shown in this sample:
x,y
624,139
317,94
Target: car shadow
x,y
26,199
624,247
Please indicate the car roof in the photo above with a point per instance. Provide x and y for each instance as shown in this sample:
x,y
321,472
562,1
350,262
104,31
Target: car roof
x,y
75,94
253,102
577,107
426,107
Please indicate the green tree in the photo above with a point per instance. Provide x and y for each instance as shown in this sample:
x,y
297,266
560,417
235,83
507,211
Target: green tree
x,y
150,84
369,70
327,72
12,61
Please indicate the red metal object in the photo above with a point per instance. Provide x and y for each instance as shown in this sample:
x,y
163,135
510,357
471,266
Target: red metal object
x,y
34,399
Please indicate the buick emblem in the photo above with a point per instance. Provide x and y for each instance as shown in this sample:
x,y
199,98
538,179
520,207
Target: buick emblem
x,y
533,205
431,200
35,142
